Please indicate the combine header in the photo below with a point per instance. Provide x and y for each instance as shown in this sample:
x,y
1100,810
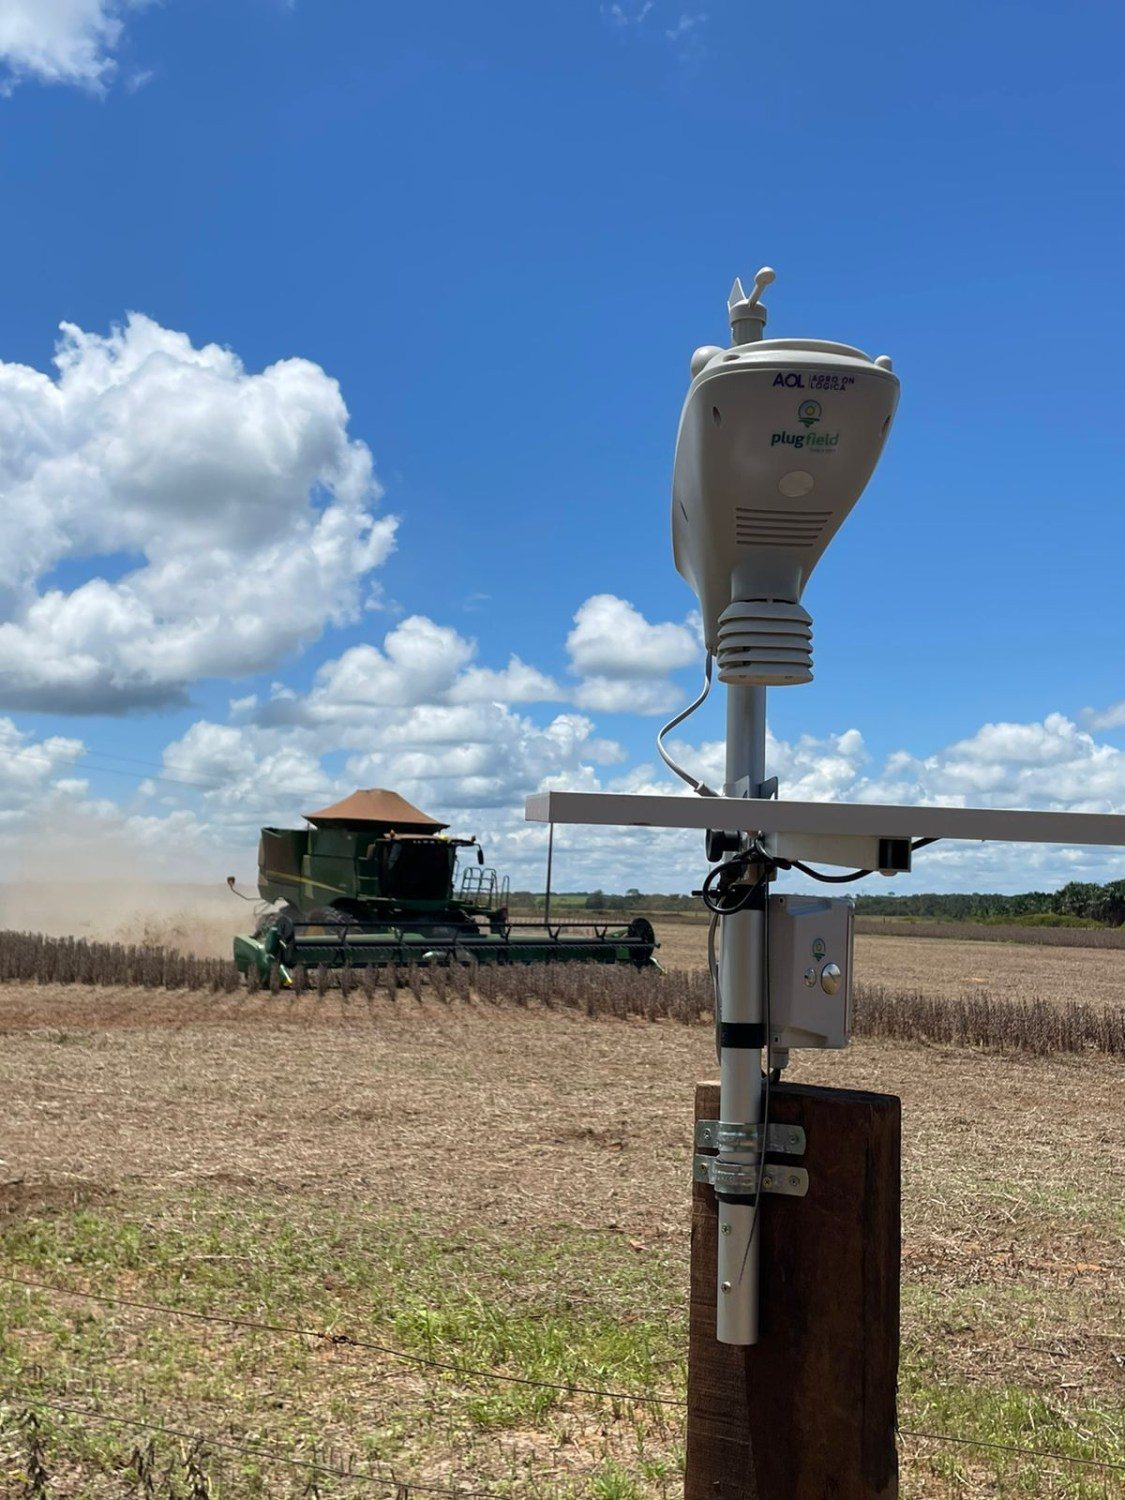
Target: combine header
x,y
372,881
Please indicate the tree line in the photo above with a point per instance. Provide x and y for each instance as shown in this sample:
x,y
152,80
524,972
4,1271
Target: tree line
x,y
633,900
1080,900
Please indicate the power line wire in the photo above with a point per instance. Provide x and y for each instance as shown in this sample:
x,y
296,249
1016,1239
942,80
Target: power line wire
x,y
207,784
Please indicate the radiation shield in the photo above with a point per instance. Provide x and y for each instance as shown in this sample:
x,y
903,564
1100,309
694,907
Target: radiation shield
x,y
777,441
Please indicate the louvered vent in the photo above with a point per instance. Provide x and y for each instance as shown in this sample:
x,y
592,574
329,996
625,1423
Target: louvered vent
x,y
764,642
778,528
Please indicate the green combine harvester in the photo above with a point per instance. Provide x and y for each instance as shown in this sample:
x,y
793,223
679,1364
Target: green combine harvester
x,y
372,881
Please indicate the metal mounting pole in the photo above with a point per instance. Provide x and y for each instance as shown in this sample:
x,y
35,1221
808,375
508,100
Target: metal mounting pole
x,y
550,859
742,1035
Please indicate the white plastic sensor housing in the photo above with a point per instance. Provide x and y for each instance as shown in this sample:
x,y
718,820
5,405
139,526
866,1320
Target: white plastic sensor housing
x,y
777,440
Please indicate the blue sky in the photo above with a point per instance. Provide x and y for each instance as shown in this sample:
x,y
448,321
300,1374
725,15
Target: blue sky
x,y
447,264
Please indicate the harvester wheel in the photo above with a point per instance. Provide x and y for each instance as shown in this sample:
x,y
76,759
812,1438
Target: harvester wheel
x,y
282,924
329,916
641,932
269,919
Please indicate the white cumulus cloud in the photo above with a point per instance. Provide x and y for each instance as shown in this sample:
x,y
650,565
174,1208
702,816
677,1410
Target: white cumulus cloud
x,y
1053,764
473,764
224,517
29,769
417,713
419,662
1112,717
61,41
624,660
469,764
624,14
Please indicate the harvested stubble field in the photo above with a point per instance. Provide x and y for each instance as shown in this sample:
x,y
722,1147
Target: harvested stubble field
x,y
493,1185
914,962
995,932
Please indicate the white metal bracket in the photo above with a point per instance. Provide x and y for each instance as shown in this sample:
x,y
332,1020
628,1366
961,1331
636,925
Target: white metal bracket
x,y
739,1179
855,851
742,1178
726,1135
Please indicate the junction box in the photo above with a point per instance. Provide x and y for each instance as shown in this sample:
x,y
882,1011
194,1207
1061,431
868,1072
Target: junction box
x,y
810,971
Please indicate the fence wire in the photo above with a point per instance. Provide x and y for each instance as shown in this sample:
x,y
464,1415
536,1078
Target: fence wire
x,y
1040,1453
249,1450
633,1398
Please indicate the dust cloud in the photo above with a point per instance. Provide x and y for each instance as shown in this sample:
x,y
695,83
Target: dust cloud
x,y
89,876
191,918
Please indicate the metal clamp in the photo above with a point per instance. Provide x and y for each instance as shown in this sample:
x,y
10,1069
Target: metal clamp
x,y
726,1135
740,1178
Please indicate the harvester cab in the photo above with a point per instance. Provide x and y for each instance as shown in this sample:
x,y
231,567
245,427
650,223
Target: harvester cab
x,y
373,881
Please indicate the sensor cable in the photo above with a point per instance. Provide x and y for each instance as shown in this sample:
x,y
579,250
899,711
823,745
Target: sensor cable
x,y
696,785
796,864
723,878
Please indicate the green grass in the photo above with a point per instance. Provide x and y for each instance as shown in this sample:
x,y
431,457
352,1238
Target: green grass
x,y
546,1304
944,1326
558,1307
1011,1417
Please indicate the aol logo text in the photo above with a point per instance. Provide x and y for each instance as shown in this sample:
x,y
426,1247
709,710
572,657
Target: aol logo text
x,y
792,379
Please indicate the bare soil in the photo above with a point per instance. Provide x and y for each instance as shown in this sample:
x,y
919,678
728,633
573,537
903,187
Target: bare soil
x,y
526,1119
534,1125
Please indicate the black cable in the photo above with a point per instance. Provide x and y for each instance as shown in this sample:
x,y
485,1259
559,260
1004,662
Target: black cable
x,y
696,784
722,878
829,879
796,864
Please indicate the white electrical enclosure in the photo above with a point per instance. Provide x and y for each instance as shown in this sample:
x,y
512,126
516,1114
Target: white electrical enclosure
x,y
865,819
810,971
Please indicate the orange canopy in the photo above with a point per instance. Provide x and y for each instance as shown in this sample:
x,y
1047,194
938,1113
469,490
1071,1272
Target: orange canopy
x,y
375,805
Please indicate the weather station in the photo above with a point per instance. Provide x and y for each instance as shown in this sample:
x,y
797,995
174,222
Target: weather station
x,y
777,441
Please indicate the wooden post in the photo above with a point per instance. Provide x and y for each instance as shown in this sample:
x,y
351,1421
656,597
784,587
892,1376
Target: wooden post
x,y
807,1413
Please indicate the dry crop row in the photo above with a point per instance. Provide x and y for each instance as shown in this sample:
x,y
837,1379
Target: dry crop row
x,y
596,989
979,1021
683,995
994,932
686,995
31,958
